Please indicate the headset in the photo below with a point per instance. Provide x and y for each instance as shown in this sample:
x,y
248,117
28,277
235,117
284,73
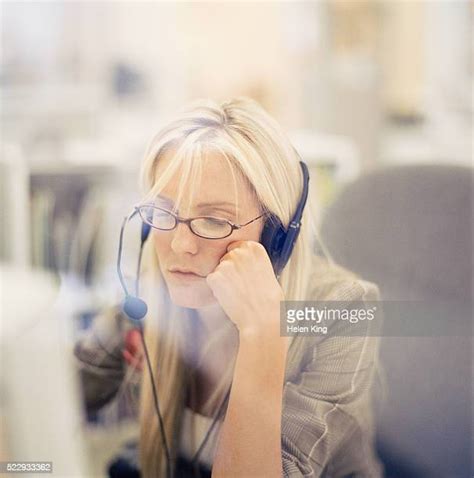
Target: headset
x,y
277,240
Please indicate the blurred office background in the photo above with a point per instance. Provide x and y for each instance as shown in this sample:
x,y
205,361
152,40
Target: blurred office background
x,y
84,85
361,87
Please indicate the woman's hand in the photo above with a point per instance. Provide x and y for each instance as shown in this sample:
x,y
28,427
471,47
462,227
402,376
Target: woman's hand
x,y
246,288
133,350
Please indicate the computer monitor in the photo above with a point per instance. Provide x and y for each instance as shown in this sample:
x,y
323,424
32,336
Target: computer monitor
x,y
40,404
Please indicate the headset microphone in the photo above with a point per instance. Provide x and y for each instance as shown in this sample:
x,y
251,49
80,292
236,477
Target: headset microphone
x,y
136,308
133,306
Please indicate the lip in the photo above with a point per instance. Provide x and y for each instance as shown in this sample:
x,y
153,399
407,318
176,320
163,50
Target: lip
x,y
185,274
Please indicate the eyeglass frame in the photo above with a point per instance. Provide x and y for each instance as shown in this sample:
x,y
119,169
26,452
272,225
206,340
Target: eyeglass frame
x,y
188,221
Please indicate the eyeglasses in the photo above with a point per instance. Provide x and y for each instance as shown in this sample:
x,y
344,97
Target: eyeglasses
x,y
207,227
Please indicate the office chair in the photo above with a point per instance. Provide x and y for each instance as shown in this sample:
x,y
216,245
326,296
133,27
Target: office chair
x,y
409,230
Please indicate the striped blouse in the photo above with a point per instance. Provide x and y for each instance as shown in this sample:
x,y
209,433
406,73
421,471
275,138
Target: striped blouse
x,y
327,418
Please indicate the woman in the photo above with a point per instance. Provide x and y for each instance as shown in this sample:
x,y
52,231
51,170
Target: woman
x,y
297,406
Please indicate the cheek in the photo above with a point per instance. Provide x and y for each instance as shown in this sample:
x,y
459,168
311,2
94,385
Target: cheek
x,y
251,232
215,251
162,244
208,252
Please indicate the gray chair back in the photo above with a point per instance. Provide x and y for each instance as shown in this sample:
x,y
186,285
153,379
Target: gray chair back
x,y
409,229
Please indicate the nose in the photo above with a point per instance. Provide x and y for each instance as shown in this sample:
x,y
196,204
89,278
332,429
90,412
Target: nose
x,y
183,240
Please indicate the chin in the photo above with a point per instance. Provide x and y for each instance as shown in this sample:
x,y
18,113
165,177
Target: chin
x,y
191,297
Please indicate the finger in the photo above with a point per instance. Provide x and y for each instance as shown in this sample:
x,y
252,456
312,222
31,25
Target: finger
x,y
135,361
138,362
133,340
216,282
212,279
234,245
127,356
136,342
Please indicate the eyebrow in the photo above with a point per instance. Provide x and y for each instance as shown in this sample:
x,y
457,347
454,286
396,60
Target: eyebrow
x,y
217,204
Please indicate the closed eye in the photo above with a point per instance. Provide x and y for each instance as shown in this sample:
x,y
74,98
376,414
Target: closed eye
x,y
215,220
218,213
216,209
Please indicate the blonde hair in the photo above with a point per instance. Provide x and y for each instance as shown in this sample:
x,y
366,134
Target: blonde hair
x,y
255,147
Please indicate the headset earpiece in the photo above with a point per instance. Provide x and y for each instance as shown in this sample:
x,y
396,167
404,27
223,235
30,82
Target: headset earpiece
x,y
272,238
278,241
